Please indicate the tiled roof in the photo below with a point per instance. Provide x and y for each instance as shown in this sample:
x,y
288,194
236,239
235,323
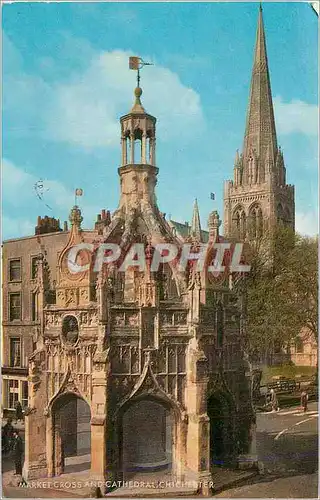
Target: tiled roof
x,y
184,230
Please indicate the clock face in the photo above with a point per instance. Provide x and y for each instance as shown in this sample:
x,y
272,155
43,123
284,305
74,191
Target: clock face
x,y
73,270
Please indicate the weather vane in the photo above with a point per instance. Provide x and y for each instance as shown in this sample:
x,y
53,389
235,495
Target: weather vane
x,y
137,64
77,192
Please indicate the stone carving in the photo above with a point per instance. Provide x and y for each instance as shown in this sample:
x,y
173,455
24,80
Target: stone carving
x,y
132,319
70,330
71,297
52,319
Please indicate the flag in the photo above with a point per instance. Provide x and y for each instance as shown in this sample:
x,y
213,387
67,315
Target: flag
x,y
79,192
134,62
212,196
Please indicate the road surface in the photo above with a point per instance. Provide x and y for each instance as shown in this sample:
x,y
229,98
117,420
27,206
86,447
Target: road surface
x,y
287,447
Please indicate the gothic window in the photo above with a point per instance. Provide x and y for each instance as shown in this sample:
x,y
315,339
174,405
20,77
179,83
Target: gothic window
x,y
240,223
256,222
70,329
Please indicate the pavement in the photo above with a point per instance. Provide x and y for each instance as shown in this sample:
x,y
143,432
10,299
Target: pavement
x,y
287,448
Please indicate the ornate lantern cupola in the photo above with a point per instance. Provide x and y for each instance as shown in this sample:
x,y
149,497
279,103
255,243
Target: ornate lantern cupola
x,y
138,169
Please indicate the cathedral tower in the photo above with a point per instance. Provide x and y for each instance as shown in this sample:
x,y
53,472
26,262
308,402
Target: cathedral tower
x,y
258,197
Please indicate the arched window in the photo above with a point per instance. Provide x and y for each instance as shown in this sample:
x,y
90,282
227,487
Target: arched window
x,y
256,222
137,146
240,223
127,148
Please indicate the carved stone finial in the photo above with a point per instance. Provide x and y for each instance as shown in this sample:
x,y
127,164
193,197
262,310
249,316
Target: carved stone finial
x,y
214,223
75,217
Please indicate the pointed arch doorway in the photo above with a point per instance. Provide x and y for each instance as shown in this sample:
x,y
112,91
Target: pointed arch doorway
x,y
71,434
147,428
220,413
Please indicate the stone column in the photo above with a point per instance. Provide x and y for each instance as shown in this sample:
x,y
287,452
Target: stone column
x,y
143,148
249,460
179,450
124,150
49,445
98,448
99,416
35,463
198,436
131,148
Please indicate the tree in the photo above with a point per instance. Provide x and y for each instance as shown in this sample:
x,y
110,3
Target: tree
x,y
281,291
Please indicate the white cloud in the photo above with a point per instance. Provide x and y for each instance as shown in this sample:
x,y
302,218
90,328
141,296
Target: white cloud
x,y
16,227
84,108
307,223
296,116
21,205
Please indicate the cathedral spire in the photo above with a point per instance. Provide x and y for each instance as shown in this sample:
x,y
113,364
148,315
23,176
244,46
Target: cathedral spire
x,y
260,127
195,224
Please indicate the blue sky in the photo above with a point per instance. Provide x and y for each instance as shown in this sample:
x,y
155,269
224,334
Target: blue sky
x,y
66,83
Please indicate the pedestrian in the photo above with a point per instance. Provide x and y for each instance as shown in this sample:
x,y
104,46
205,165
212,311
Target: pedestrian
x,y
17,452
19,413
274,400
304,401
7,435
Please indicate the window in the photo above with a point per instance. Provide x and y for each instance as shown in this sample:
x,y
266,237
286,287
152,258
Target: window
x,y
15,270
299,346
13,393
14,306
34,306
34,261
24,394
15,351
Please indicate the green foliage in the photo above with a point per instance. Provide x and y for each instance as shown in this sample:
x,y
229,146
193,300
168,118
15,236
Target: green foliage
x,y
289,371
281,290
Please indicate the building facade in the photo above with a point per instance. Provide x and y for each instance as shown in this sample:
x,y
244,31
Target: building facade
x,y
155,355
147,366
258,197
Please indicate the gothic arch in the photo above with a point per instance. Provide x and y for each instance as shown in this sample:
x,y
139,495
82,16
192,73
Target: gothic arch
x,y
222,414
255,221
138,143
239,221
64,432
